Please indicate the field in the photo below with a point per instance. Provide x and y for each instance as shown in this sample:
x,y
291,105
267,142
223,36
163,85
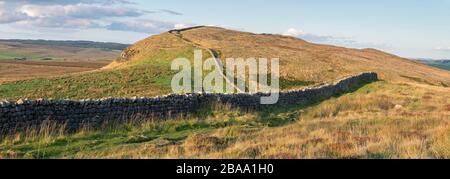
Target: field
x,y
11,70
380,120
28,59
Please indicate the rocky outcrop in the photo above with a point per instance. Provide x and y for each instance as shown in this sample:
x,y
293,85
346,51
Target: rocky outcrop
x,y
127,54
23,114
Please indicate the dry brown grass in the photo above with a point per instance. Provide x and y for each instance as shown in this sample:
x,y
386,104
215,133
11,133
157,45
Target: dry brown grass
x,y
22,70
381,120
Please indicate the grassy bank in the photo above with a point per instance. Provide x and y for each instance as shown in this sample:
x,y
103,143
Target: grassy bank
x,y
149,77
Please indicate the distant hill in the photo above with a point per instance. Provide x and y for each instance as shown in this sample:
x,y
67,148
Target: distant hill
x,y
68,43
29,59
443,64
58,50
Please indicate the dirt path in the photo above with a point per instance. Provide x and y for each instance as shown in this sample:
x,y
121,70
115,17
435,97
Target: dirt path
x,y
213,54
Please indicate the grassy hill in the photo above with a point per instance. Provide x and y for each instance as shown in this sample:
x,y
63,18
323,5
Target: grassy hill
x,y
144,68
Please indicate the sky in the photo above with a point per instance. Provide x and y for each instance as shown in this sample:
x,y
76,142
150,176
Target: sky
x,y
408,28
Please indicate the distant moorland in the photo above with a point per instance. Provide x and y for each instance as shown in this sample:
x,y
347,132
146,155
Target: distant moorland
x,y
68,43
26,59
443,64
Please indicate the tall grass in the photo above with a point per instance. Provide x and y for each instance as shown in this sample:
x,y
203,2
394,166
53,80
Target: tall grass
x,y
380,120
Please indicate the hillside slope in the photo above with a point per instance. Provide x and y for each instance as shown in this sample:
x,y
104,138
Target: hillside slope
x,y
300,60
144,68
305,61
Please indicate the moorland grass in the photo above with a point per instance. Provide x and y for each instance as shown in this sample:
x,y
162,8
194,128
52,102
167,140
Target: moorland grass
x,y
379,120
149,77
12,56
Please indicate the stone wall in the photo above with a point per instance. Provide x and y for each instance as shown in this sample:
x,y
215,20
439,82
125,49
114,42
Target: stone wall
x,y
22,114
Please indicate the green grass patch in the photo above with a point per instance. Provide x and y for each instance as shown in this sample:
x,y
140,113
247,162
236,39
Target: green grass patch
x,y
287,84
135,81
12,56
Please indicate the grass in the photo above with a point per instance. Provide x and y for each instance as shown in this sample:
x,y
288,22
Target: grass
x,y
144,80
45,144
149,77
11,56
287,84
380,120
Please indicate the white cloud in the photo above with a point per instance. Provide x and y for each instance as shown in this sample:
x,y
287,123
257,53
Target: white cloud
x,y
145,26
334,40
58,23
10,17
314,37
170,12
294,32
447,49
7,16
81,14
63,2
87,11
181,26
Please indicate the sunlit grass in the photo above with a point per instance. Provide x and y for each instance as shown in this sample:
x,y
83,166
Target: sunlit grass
x,y
380,120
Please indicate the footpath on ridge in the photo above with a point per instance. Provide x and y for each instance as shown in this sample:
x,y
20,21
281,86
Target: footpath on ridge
x,y
213,54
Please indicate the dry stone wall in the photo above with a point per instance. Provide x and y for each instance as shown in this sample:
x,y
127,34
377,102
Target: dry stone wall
x,y
23,114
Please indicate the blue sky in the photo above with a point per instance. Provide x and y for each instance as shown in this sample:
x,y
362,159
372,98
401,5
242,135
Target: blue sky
x,y
409,28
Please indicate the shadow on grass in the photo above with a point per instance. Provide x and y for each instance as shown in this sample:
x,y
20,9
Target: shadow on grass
x,y
277,116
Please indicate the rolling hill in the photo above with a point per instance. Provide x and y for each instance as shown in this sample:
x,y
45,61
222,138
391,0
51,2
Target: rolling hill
x,y
300,60
143,69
